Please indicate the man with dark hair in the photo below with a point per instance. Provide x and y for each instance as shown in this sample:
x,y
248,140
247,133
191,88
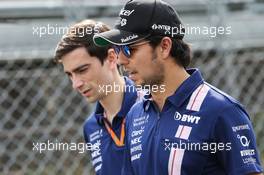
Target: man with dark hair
x,y
191,128
93,73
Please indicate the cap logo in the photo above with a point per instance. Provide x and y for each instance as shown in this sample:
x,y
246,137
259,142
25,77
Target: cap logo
x,y
126,12
123,22
161,27
154,26
129,38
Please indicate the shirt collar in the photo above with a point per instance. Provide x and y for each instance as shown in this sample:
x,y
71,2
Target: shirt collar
x,y
184,90
130,96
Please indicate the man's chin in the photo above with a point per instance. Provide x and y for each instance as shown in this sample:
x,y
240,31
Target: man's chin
x,y
95,98
91,99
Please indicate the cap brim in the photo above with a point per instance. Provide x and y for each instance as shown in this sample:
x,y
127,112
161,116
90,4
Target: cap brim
x,y
117,37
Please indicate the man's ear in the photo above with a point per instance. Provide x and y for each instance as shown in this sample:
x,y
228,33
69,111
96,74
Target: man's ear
x,y
165,47
111,58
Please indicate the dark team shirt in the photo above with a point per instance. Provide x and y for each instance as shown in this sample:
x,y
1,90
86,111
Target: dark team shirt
x,y
200,131
107,160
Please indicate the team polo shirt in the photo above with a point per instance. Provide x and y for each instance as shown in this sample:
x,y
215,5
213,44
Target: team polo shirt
x,y
200,131
107,160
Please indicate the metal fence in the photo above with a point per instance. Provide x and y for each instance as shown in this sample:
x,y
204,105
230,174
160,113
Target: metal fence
x,y
39,105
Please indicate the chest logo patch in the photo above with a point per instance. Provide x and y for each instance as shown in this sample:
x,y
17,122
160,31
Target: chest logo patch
x,y
186,118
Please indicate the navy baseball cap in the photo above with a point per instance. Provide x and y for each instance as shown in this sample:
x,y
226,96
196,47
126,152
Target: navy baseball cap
x,y
139,19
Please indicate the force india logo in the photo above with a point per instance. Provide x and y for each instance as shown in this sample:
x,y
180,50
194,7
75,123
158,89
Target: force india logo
x,y
186,118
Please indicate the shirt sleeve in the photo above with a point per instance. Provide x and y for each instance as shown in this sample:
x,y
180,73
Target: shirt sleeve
x,y
234,128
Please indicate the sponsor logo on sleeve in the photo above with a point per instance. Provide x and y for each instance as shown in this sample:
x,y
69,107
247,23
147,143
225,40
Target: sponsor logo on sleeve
x,y
246,154
240,128
243,140
249,152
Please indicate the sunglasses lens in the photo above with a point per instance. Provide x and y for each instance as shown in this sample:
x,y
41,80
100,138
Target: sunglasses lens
x,y
126,51
117,49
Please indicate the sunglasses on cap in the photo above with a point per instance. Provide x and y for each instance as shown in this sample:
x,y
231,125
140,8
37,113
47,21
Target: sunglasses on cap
x,y
127,49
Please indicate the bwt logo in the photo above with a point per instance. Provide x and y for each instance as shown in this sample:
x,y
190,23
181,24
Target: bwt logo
x,y
186,118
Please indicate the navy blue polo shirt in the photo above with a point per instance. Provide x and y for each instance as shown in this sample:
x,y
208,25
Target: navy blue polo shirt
x,y
200,131
108,158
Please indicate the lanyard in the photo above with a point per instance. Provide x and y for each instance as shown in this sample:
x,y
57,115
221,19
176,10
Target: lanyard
x,y
118,141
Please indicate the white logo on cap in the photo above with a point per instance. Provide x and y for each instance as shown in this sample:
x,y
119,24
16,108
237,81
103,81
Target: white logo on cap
x,y
154,26
129,38
161,27
126,12
123,22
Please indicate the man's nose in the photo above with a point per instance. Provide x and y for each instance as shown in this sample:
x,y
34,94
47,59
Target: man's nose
x,y
122,59
76,82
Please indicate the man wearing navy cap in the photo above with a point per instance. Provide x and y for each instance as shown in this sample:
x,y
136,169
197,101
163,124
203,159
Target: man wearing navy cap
x,y
191,128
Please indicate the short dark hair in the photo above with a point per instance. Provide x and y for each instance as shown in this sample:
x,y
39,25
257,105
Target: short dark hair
x,y
81,35
180,50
